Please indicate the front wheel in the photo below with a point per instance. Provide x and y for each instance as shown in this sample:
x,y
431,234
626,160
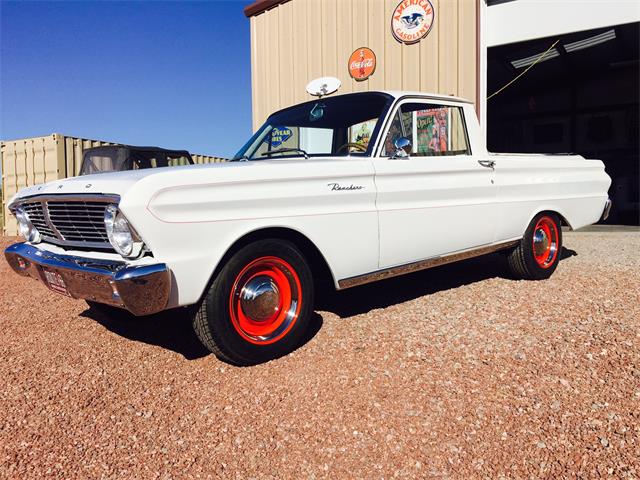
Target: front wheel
x,y
259,305
538,254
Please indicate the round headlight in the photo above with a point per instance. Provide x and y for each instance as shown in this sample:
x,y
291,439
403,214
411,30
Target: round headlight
x,y
120,233
26,228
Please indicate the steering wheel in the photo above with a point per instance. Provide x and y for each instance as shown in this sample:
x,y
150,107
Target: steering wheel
x,y
359,146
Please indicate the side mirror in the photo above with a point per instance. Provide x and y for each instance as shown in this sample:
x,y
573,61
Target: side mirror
x,y
403,147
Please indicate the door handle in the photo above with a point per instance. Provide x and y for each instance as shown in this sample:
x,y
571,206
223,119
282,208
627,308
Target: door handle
x,y
487,163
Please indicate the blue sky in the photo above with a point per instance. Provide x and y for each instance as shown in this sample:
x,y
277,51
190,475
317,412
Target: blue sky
x,y
172,74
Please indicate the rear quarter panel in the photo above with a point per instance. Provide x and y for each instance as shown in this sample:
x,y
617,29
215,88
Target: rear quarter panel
x,y
528,184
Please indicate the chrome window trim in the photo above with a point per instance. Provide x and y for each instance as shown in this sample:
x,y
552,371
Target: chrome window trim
x,y
444,102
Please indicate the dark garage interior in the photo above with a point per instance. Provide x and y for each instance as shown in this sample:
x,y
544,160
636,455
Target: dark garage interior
x,y
582,98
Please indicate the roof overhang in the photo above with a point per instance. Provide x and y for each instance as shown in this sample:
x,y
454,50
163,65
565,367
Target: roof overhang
x,y
260,6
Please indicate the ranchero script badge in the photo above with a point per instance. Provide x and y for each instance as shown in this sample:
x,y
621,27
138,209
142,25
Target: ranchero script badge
x,y
337,186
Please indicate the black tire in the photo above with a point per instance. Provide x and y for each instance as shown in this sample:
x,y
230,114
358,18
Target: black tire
x,y
220,318
527,263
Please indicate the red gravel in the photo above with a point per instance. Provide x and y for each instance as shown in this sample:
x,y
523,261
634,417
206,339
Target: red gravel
x,y
454,372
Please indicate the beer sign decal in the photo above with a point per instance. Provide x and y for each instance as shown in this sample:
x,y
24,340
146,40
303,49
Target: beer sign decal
x,y
412,20
362,64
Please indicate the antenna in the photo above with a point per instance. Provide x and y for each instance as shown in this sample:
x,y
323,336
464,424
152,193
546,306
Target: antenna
x,y
323,86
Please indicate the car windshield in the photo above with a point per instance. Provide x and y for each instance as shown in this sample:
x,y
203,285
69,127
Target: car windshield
x,y
335,126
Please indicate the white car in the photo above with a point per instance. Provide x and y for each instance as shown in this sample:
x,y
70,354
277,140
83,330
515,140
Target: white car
x,y
351,188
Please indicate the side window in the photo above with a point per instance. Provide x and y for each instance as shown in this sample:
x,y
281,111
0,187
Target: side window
x,y
396,130
434,130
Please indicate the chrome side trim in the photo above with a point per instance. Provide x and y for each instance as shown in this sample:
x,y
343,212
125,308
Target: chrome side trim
x,y
422,265
142,290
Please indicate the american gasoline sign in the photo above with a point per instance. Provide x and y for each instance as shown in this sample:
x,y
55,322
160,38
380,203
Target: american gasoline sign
x,y
412,20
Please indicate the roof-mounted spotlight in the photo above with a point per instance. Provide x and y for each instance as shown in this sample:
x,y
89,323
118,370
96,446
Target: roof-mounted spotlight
x,y
323,86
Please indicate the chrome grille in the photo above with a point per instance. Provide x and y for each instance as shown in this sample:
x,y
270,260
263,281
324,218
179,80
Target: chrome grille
x,y
35,211
79,221
71,220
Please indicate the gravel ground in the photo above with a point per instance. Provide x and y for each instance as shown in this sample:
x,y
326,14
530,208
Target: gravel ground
x,y
455,372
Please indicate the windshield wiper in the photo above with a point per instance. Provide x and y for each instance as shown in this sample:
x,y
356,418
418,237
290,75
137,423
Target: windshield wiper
x,y
243,158
284,150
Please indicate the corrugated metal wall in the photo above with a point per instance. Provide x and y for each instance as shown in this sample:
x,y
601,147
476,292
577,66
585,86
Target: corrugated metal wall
x,y
31,161
300,40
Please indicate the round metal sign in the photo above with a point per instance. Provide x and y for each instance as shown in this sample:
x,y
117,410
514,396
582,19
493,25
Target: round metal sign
x,y
362,64
412,20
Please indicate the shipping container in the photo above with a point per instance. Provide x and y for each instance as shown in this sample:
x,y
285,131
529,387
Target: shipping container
x,y
31,161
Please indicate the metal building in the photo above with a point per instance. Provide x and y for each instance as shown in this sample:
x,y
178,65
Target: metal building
x,y
582,97
295,41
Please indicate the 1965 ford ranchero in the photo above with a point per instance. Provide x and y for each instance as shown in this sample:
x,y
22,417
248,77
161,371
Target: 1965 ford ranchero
x,y
352,188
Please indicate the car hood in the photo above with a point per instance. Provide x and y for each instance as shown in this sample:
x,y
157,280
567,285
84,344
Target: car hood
x,y
140,186
111,183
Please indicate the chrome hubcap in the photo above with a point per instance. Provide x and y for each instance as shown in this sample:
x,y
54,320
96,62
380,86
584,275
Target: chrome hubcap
x,y
545,242
264,301
260,298
540,241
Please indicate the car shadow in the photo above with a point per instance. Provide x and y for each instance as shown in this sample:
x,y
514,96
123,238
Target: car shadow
x,y
567,253
170,329
382,294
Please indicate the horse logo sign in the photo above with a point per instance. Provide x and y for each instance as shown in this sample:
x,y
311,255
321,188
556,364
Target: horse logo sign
x,y
412,20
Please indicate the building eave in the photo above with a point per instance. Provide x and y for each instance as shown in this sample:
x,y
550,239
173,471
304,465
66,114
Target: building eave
x,y
260,6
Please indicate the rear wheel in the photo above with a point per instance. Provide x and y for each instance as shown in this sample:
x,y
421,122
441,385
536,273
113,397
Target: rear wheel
x,y
259,306
538,254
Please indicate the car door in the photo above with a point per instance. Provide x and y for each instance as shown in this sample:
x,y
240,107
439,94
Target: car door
x,y
438,199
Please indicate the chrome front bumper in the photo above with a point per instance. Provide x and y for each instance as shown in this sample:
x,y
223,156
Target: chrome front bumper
x,y
142,290
607,209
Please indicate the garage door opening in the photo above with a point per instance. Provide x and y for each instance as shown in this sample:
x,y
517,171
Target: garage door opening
x,y
583,97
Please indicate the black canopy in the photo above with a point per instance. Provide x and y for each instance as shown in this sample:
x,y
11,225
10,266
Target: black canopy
x,y
117,158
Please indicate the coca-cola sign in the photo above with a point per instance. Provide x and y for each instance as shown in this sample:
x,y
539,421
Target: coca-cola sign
x,y
362,64
412,20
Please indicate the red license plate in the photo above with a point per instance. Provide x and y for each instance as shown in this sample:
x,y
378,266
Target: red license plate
x,y
55,281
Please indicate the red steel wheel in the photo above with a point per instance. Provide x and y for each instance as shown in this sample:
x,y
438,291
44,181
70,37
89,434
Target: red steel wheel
x,y
265,300
259,305
545,242
538,253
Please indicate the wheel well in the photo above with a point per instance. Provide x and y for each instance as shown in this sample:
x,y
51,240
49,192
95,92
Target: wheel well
x,y
320,270
563,220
